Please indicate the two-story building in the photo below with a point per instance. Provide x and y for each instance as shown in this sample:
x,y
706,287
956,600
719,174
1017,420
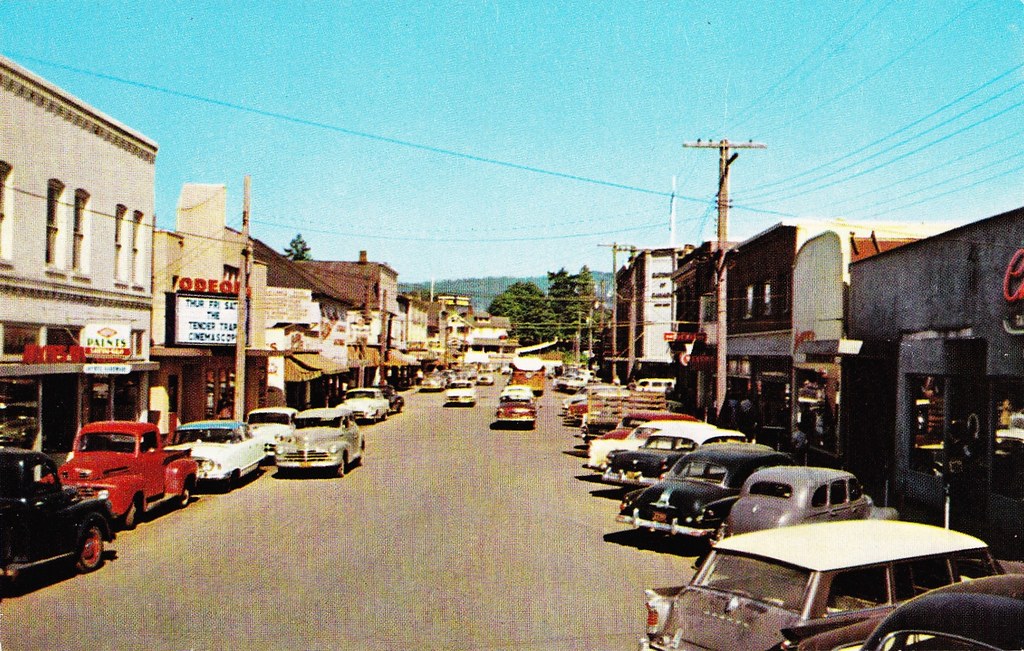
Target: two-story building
x,y
76,221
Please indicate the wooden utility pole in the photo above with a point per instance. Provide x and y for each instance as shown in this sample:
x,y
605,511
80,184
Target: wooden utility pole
x,y
725,160
615,247
243,310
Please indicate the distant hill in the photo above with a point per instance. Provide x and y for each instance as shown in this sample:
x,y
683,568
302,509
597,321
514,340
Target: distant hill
x,y
483,290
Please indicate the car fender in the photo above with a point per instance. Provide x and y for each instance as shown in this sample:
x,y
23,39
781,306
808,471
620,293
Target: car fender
x,y
178,472
718,510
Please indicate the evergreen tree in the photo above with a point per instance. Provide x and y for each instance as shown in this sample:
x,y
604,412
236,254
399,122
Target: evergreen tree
x,y
298,249
529,311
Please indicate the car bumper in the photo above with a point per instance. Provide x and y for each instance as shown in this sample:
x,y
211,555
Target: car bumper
x,y
671,527
460,400
623,478
312,458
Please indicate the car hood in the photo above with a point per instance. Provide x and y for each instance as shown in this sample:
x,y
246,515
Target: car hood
x,y
363,402
722,621
269,430
92,466
205,449
316,434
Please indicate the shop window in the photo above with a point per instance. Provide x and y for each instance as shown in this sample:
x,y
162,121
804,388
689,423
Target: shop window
x,y
19,412
16,337
1008,450
748,303
767,298
926,453
60,336
816,408
136,243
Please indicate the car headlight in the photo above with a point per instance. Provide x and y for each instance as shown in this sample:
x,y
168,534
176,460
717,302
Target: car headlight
x,y
333,449
103,494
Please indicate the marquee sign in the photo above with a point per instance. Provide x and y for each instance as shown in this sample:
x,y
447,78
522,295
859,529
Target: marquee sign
x,y
208,285
205,320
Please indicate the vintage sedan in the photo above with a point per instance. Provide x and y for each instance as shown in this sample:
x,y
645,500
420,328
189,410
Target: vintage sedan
x,y
367,404
225,450
807,577
434,383
788,495
632,433
460,392
266,424
45,522
323,438
669,442
485,379
680,504
395,400
516,411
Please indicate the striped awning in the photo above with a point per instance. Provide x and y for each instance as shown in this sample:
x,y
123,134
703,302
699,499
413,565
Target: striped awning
x,y
303,367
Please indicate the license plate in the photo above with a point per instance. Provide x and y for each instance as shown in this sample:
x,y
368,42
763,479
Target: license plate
x,y
659,516
632,475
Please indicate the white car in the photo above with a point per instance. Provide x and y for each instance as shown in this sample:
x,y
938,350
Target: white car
x,y
367,403
598,449
655,384
224,449
323,438
268,423
461,392
516,390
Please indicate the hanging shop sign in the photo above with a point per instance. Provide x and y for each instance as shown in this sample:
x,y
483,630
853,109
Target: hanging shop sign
x,y
107,340
205,320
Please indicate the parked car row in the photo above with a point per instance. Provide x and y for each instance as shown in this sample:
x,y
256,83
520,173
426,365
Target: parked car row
x,y
118,471
797,557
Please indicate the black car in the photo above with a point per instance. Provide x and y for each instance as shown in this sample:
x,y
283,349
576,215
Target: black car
x,y
651,461
41,521
394,398
696,494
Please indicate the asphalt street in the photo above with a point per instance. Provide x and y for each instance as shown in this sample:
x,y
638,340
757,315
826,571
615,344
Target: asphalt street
x,y
451,535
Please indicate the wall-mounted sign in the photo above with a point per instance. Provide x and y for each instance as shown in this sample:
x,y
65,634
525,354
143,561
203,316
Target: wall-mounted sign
x,y
107,369
687,337
205,320
107,340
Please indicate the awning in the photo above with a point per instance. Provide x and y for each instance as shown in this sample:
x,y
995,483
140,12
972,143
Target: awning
x,y
398,358
358,356
303,367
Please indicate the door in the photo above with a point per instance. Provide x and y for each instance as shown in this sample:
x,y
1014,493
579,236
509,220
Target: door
x,y
45,524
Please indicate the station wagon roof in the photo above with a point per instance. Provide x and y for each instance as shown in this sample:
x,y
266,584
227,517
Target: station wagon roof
x,y
211,424
827,546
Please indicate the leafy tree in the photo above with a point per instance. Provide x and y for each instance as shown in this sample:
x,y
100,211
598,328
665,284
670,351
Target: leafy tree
x,y
298,249
572,298
529,311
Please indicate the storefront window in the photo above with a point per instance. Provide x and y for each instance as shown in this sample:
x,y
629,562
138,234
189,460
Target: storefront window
x,y
816,409
1008,452
61,336
926,453
16,337
19,412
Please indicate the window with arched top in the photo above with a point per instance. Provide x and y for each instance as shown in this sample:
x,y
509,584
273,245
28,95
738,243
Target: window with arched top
x,y
136,262
54,201
120,252
80,230
5,210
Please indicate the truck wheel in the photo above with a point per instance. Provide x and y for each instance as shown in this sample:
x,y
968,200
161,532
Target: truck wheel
x,y
90,549
131,516
186,494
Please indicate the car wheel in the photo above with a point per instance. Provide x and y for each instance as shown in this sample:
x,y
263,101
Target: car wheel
x,y
186,494
343,466
232,481
89,555
131,516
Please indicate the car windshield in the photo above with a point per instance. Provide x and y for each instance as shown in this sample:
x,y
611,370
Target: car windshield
x,y
360,393
700,470
269,417
315,421
758,579
208,435
106,442
515,401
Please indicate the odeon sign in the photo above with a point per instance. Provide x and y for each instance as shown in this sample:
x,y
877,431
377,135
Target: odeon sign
x,y
1013,292
207,285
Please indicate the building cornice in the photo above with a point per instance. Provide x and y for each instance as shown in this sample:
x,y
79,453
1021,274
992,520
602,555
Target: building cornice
x,y
75,113
80,296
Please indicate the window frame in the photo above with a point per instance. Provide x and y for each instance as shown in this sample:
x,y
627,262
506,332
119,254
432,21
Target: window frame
x,y
54,218
80,232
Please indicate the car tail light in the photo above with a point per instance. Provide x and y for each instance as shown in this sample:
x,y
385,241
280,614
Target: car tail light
x,y
652,616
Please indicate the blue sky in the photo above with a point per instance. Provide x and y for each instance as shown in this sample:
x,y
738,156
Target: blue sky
x,y
514,138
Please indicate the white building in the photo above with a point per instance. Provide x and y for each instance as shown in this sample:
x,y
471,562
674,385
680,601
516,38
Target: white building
x,y
76,230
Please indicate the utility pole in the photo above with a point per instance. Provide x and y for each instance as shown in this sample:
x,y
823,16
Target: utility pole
x,y
615,247
243,309
725,160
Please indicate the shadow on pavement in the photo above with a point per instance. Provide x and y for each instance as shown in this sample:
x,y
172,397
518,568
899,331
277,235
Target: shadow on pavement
x,y
660,543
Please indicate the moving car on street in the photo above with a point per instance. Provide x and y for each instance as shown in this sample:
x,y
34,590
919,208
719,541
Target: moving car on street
x,y
669,442
460,392
809,578
266,424
434,382
225,450
42,522
367,404
396,403
516,411
323,438
693,498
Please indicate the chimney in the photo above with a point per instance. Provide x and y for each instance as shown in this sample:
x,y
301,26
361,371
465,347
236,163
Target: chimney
x,y
362,257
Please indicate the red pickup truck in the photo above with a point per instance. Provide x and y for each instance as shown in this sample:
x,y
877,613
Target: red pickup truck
x,y
126,463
